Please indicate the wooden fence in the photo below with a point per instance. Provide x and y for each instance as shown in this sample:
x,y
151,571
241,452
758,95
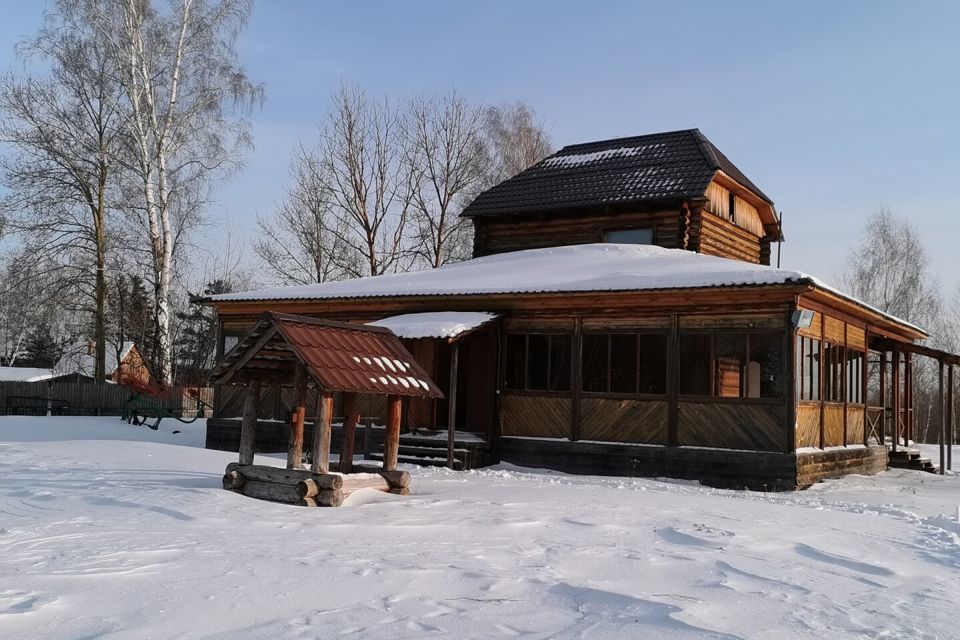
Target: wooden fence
x,y
84,399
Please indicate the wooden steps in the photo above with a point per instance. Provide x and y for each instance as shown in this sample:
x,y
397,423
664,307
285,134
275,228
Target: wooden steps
x,y
911,459
431,451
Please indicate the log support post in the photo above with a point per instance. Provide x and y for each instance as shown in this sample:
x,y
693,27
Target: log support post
x,y
351,415
452,404
883,398
295,444
895,395
248,428
950,427
943,423
908,399
391,447
321,434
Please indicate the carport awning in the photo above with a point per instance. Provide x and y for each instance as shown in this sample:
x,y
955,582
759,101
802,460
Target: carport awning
x,y
450,325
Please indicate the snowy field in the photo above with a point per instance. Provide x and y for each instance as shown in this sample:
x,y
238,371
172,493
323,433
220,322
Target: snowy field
x,y
109,530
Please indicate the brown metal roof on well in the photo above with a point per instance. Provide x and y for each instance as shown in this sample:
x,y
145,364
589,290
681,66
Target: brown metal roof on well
x,y
338,355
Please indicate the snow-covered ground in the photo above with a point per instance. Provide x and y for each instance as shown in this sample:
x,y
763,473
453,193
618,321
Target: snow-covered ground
x,y
109,530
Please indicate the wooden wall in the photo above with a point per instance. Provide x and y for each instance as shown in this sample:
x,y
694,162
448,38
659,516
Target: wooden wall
x,y
499,235
759,426
831,424
533,416
623,420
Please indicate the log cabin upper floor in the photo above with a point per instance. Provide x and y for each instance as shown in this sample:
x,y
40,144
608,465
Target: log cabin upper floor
x,y
637,327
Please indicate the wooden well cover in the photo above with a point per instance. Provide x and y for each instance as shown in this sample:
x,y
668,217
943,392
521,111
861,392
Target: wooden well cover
x,y
339,356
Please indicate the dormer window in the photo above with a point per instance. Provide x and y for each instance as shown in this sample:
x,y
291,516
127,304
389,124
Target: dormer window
x,y
629,236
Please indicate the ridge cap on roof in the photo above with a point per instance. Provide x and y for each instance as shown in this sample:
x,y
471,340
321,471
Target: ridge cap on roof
x,y
605,141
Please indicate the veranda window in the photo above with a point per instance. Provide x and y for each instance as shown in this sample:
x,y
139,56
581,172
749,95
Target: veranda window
x,y
538,362
731,365
808,368
627,363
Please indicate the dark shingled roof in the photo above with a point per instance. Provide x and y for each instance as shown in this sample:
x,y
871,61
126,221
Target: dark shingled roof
x,y
661,166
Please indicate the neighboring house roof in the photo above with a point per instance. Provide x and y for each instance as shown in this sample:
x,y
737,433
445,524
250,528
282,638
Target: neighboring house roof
x,y
24,374
675,165
77,359
340,357
437,324
569,269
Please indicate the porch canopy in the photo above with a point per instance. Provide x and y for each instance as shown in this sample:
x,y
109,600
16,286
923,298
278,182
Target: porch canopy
x,y
450,325
338,357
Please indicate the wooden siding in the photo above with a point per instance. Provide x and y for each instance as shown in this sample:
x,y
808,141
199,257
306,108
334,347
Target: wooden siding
x,y
613,323
808,424
741,322
732,425
834,330
420,411
534,416
832,425
721,237
626,420
856,338
499,235
815,330
745,214
855,425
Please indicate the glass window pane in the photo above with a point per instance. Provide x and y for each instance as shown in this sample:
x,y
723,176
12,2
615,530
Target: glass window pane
x,y
815,369
595,362
516,354
538,350
623,363
695,364
730,350
560,346
653,363
629,236
766,352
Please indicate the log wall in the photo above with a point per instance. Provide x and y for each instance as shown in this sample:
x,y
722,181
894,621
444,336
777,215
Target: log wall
x,y
821,465
721,237
499,235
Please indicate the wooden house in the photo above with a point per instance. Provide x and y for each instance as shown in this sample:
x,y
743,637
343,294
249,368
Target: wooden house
x,y
621,316
123,363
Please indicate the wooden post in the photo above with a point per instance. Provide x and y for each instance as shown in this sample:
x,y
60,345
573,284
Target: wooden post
x,y
295,444
673,383
790,382
391,447
321,434
908,398
950,428
943,424
576,384
452,403
864,387
883,398
351,415
248,428
895,396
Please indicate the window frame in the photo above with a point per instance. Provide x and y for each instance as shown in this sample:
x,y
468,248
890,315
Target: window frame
x,y
526,390
746,331
636,394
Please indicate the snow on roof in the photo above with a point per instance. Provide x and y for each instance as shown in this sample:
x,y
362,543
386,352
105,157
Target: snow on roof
x,y
568,269
77,359
24,374
441,324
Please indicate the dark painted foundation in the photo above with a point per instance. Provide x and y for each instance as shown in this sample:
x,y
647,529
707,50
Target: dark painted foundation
x,y
272,436
725,468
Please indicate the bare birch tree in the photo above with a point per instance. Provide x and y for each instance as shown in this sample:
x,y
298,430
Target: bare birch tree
x,y
181,80
889,270
517,140
66,132
448,154
305,241
362,158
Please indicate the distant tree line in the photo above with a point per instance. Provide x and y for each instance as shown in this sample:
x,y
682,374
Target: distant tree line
x,y
123,122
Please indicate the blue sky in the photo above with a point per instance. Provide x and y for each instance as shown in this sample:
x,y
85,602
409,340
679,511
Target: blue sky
x,y
832,108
